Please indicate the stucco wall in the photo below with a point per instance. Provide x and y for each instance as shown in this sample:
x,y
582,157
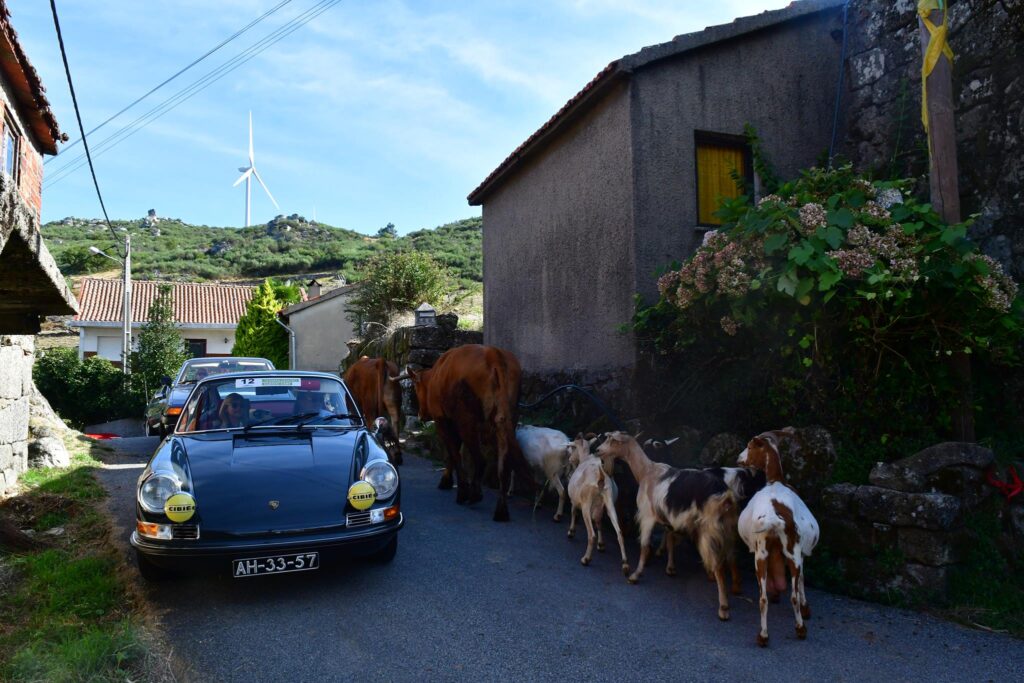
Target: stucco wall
x,y
15,389
321,332
558,250
781,80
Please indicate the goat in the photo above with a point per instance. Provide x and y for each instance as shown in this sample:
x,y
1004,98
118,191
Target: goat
x,y
779,529
592,491
744,482
546,451
691,501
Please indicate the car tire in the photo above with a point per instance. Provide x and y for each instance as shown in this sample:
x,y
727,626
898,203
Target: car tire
x,y
387,553
149,571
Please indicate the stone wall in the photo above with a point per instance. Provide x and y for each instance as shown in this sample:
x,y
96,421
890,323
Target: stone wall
x,y
883,105
16,356
906,531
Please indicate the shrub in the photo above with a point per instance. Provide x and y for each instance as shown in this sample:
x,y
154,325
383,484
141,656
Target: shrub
x,y
161,349
839,300
400,281
86,391
258,332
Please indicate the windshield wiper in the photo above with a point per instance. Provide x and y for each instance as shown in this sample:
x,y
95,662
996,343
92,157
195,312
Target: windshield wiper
x,y
332,416
273,420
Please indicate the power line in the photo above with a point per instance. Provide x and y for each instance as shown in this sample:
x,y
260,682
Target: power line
x,y
196,87
179,72
81,129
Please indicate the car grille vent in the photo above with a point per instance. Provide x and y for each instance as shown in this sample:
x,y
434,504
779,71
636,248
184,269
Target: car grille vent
x,y
358,519
186,532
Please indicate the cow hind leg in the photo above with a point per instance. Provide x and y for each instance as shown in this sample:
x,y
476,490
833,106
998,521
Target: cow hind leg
x,y
453,447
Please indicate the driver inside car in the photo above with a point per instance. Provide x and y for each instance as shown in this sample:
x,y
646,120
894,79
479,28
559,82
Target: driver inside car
x,y
311,402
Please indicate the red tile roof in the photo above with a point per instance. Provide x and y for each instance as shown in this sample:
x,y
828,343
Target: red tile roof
x,y
28,87
203,304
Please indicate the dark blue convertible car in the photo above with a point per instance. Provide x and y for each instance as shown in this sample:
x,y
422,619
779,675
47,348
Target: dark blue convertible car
x,y
266,473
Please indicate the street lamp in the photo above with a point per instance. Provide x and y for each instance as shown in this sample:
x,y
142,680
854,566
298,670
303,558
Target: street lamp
x,y
126,337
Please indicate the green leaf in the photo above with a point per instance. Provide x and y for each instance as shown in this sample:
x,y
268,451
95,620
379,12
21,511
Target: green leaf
x,y
911,228
755,284
828,295
800,253
953,234
805,341
828,279
833,201
775,242
788,283
834,236
804,287
843,218
856,199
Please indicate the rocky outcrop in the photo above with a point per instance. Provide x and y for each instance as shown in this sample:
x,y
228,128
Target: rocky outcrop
x,y
722,450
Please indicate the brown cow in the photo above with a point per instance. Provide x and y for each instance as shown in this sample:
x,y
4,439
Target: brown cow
x,y
472,393
374,384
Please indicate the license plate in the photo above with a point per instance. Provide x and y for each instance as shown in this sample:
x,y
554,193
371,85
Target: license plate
x,y
275,564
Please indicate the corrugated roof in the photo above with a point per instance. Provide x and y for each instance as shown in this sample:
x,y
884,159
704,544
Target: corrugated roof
x,y
624,66
194,303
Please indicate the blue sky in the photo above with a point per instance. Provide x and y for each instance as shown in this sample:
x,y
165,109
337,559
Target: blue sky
x,y
374,112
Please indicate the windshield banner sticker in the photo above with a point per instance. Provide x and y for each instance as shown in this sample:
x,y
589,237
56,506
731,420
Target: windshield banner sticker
x,y
268,382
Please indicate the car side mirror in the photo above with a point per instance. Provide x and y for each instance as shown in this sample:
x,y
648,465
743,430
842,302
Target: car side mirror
x,y
165,380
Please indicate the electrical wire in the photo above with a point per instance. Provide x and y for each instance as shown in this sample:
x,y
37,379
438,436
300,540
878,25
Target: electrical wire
x,y
81,128
188,66
196,87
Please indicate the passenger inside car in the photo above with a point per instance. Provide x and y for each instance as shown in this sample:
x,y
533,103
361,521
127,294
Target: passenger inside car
x,y
233,412
311,402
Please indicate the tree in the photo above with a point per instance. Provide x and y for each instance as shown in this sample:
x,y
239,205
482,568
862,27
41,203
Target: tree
x,y
258,333
400,281
161,348
388,231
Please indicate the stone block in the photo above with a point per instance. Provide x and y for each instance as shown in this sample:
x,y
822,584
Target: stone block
x,y
14,420
867,68
837,499
48,452
807,461
722,450
846,537
424,357
921,510
927,579
12,380
932,548
913,473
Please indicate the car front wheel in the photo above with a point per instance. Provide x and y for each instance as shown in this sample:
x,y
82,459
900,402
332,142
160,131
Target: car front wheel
x,y
149,571
387,553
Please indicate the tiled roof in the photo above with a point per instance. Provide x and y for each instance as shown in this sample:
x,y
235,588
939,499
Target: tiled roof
x,y
28,87
203,304
623,67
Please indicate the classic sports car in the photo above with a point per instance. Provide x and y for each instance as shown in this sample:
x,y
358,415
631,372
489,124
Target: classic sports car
x,y
265,473
165,406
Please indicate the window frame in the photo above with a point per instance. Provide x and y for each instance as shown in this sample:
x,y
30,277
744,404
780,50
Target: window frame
x,y
11,129
203,341
705,137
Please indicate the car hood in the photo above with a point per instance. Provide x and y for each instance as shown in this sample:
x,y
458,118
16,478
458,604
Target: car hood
x,y
248,484
179,395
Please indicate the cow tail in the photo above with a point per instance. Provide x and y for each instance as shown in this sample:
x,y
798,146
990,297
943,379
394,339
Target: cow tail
x,y
505,424
381,409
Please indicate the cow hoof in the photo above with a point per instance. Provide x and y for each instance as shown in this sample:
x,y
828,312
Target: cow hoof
x,y
723,613
801,632
671,571
476,498
762,640
446,482
501,515
805,611
461,497
585,561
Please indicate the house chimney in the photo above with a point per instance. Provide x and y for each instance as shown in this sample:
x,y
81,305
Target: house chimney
x,y
313,289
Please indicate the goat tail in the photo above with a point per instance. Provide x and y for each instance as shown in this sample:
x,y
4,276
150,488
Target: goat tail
x,y
716,538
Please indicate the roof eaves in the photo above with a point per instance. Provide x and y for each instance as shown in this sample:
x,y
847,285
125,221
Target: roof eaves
x,y
302,305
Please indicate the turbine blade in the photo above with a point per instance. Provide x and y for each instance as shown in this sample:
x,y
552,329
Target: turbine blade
x,y
265,188
242,177
251,162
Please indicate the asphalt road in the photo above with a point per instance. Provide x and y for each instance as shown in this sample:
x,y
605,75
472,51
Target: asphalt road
x,y
469,599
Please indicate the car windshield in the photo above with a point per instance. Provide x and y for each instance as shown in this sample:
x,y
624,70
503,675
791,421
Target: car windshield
x,y
196,370
276,401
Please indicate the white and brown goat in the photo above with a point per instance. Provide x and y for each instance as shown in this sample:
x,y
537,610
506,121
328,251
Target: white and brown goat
x,y
689,501
547,452
779,529
592,491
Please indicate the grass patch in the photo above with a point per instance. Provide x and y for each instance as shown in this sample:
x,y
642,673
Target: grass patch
x,y
67,609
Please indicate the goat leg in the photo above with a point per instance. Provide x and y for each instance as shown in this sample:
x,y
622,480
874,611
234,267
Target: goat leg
x,y
589,522
614,517
646,528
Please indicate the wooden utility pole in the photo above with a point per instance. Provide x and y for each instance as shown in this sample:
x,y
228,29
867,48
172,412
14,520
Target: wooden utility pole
x,y
937,114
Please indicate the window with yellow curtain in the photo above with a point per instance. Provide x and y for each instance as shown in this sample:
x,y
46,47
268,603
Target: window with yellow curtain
x,y
716,164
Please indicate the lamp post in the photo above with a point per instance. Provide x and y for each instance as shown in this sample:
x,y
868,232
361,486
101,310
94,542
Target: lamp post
x,y
126,332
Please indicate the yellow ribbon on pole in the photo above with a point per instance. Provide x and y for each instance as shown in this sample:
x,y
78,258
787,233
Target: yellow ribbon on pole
x,y
937,46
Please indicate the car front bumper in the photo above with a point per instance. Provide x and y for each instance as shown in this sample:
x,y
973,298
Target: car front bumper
x,y
216,554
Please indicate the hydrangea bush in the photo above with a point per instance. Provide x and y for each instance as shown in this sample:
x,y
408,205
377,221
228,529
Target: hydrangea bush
x,y
842,284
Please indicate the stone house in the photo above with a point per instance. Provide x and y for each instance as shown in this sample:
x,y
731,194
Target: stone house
x,y
31,286
625,178
622,180
206,314
321,328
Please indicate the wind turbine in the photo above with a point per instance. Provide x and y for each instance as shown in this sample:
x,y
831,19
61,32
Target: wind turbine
x,y
247,173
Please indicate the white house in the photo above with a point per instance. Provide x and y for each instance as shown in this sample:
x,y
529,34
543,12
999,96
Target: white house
x,y
206,315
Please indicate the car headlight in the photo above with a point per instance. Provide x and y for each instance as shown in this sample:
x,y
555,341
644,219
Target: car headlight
x,y
382,477
156,490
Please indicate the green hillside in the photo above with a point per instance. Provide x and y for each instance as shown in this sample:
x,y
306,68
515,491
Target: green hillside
x,y
173,250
